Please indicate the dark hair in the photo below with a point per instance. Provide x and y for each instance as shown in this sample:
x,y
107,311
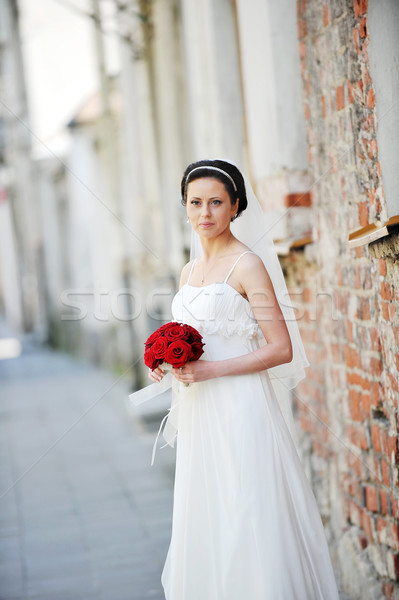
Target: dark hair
x,y
204,171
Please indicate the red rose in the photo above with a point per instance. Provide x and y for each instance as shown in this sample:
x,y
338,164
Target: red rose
x,y
177,353
166,326
176,332
196,350
193,334
159,347
186,330
154,336
174,343
150,360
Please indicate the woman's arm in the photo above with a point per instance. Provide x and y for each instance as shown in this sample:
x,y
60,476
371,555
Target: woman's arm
x,y
257,285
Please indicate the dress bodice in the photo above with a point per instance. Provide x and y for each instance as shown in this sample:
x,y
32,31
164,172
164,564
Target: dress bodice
x,y
217,308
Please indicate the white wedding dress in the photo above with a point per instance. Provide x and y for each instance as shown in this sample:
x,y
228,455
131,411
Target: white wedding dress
x,y
246,525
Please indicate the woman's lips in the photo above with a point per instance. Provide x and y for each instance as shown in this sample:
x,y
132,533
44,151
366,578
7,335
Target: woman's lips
x,y
206,224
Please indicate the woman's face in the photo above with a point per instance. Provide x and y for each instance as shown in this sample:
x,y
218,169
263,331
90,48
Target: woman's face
x,y
209,207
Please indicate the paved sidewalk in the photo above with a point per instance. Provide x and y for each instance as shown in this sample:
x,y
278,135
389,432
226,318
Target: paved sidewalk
x,y
83,515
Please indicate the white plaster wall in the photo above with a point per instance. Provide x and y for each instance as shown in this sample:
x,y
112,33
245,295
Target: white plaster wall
x,y
383,51
257,76
50,228
272,86
9,281
17,171
81,184
169,111
291,151
95,248
140,182
214,94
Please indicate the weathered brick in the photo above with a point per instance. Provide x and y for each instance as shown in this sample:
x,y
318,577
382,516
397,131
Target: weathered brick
x,y
376,366
363,213
385,310
386,291
326,15
384,502
366,405
360,7
302,29
364,310
359,380
376,393
366,524
382,265
393,448
359,387
395,505
356,40
375,339
350,93
352,357
340,97
381,527
323,106
372,498
391,312
375,436
363,438
370,98
363,28
387,589
355,405
393,382
393,564
394,535
385,472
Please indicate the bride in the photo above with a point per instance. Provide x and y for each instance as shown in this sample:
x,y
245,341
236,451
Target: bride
x,y
245,520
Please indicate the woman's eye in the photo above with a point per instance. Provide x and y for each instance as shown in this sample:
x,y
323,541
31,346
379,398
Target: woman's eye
x,y
195,202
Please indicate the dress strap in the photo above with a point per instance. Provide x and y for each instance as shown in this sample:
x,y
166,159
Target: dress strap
x,y
191,270
231,270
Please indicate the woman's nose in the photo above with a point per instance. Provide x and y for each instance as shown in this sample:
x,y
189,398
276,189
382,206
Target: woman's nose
x,y
205,209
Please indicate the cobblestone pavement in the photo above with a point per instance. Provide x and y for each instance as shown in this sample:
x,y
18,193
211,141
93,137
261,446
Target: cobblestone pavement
x,y
83,515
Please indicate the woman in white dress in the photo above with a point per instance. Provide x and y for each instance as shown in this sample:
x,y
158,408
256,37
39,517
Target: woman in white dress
x,y
246,525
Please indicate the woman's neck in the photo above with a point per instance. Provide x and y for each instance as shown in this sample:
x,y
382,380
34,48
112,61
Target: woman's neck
x,y
214,248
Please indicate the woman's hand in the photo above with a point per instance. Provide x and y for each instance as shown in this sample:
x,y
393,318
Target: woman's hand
x,y
195,371
156,375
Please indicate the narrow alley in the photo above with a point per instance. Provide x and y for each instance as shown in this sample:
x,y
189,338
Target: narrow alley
x,y
83,514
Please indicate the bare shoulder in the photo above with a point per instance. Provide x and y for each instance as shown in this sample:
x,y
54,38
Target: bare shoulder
x,y
185,272
251,261
252,273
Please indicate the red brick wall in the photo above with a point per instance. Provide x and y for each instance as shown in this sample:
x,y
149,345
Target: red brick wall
x,y
347,407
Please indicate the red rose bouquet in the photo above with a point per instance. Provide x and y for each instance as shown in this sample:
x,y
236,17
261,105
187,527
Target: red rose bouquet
x,y
173,343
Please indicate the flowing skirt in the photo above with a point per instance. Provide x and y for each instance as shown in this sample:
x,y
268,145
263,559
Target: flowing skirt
x,y
246,525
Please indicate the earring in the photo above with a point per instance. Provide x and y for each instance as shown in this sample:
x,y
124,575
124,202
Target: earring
x,y
188,220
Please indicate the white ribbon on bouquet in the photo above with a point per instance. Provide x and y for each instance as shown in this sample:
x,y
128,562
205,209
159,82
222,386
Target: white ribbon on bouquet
x,y
178,392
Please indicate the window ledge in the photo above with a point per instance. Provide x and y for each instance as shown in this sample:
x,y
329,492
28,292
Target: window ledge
x,y
371,233
284,247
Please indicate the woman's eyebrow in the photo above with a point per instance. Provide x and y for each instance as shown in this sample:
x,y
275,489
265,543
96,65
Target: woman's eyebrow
x,y
213,198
